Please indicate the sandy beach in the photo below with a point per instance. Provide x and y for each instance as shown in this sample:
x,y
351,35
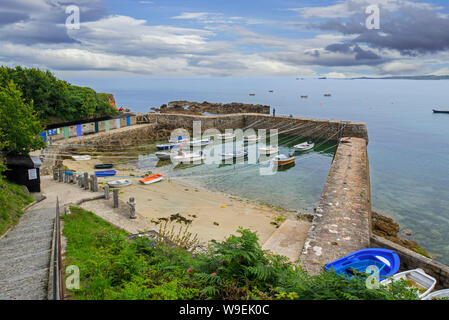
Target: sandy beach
x,y
213,215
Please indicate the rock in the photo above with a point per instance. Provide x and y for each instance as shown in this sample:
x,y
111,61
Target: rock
x,y
198,108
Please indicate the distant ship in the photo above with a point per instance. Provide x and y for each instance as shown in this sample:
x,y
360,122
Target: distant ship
x,y
252,94
327,95
304,97
322,78
270,91
440,111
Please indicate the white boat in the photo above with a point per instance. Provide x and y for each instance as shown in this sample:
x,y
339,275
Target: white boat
x,y
268,150
119,183
440,294
198,143
304,146
189,157
417,279
178,139
251,138
233,155
282,160
82,158
226,136
163,155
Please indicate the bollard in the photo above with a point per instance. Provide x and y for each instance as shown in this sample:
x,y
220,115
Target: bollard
x,y
55,175
91,183
86,181
115,195
95,183
106,192
132,208
80,180
60,173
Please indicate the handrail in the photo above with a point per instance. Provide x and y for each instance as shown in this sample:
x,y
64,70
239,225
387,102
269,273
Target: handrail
x,y
58,285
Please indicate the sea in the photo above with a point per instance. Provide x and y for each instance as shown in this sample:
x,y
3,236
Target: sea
x,y
408,144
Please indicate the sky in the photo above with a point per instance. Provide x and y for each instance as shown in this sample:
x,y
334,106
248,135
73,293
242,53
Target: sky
x,y
188,38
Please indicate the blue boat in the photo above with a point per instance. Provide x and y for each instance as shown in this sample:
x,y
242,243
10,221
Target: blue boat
x,y
166,146
105,173
387,261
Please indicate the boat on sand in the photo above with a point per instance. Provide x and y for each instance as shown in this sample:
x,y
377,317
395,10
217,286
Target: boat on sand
x,y
103,166
189,157
119,183
82,158
152,179
105,173
163,155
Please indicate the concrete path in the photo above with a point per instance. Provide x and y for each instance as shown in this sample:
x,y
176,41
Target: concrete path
x,y
25,250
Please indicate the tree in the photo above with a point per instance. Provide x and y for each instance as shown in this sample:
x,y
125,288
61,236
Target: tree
x,y
19,125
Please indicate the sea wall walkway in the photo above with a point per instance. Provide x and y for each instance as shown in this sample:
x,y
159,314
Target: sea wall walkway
x,y
342,222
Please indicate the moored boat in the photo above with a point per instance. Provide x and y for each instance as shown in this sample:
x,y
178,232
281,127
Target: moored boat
x,y
234,155
167,146
198,143
252,94
268,150
440,111
304,97
105,173
282,160
152,179
82,158
189,157
119,183
304,146
163,155
387,262
415,279
438,295
179,139
251,138
225,136
103,166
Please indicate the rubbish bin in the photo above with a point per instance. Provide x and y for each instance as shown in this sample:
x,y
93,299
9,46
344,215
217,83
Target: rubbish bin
x,y
24,170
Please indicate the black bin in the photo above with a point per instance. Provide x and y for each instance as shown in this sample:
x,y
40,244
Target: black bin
x,y
24,170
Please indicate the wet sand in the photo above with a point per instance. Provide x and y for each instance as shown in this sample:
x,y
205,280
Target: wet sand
x,y
214,215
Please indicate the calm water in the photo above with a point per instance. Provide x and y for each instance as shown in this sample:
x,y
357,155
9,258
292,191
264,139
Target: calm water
x,y
408,149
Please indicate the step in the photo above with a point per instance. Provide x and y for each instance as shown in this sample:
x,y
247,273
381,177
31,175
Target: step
x,y
16,267
46,225
23,238
23,248
20,257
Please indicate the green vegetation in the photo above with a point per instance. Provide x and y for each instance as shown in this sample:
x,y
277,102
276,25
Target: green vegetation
x,y
12,201
55,100
112,267
18,123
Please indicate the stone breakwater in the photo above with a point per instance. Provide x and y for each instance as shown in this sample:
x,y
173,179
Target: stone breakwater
x,y
199,108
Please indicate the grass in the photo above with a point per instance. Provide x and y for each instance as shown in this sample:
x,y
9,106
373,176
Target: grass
x,y
112,267
12,200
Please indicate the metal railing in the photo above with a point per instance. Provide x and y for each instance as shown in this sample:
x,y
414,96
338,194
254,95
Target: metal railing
x,y
58,283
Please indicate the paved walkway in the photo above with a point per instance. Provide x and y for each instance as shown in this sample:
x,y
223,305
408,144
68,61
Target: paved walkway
x,y
25,250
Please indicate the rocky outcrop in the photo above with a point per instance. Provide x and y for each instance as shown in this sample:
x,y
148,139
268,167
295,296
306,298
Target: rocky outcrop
x,y
199,108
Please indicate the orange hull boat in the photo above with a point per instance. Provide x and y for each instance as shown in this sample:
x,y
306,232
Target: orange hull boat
x,y
152,179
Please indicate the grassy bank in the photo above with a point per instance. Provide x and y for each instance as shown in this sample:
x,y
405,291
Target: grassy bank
x,y
12,200
112,267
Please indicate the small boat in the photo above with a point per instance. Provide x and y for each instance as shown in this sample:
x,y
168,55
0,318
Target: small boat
x,y
226,136
327,95
304,146
251,138
82,158
163,155
282,160
440,111
271,91
152,179
105,173
119,183
234,155
416,279
179,139
103,166
440,294
189,157
69,172
198,143
166,146
252,94
269,150
357,262
304,97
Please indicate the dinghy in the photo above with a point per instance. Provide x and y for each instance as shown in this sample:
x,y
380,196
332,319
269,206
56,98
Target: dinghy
x,y
251,138
179,139
152,179
268,150
119,183
163,155
282,160
436,295
189,157
82,158
234,155
387,262
226,136
105,173
198,143
304,146
166,146
103,166
416,279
